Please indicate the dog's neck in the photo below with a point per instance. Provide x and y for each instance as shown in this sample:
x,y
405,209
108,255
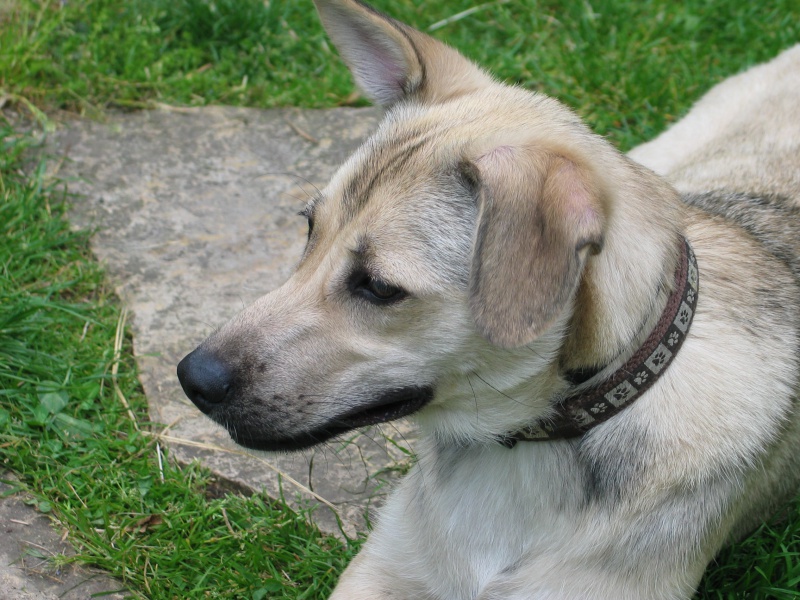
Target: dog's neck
x,y
597,397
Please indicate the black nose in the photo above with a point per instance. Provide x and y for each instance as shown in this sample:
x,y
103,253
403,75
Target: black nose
x,y
205,379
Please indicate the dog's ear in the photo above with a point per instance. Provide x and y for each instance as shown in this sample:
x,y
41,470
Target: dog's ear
x,y
392,61
538,217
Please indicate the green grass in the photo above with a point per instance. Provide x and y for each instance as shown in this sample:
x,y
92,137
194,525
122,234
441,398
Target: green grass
x,y
765,565
628,67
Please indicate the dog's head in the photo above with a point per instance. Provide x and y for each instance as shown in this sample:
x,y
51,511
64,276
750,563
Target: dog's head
x,y
441,264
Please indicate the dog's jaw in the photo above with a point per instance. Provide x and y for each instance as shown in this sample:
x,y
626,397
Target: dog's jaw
x,y
389,406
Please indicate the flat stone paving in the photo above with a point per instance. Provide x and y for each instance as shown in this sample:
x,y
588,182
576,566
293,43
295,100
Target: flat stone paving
x,y
195,213
29,545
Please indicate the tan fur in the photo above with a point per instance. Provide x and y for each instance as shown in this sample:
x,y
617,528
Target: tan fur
x,y
478,246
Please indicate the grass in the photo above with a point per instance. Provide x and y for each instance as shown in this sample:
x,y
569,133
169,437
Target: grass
x,y
765,565
629,68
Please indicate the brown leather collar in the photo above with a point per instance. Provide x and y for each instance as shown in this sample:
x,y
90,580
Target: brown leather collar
x,y
578,412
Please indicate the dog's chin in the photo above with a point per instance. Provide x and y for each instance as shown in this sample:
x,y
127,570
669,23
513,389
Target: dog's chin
x,y
387,407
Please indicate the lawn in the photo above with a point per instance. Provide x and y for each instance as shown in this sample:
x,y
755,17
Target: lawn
x,y
67,376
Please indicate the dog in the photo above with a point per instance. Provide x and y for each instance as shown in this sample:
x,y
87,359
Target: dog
x,y
604,371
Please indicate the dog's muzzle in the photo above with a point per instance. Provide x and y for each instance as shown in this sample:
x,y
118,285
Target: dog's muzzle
x,y
212,385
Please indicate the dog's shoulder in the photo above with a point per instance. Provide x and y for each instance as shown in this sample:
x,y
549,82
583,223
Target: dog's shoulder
x,y
773,220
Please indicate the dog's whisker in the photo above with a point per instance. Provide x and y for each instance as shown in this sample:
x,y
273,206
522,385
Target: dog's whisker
x,y
516,401
316,196
533,351
475,398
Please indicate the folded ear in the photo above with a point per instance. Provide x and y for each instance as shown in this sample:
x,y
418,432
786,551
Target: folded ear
x,y
539,215
392,61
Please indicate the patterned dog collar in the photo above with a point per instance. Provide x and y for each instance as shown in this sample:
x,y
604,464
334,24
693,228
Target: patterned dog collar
x,y
579,412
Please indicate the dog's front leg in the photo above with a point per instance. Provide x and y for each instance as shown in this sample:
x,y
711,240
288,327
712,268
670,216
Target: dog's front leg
x,y
356,584
366,579
573,581
517,588
522,586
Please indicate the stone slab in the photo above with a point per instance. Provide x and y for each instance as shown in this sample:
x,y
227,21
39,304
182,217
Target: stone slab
x,y
195,213
28,553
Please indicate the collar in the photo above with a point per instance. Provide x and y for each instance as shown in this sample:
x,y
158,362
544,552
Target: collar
x,y
578,412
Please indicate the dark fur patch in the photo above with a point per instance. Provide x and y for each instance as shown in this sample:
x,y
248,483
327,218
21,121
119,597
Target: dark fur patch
x,y
772,220
613,467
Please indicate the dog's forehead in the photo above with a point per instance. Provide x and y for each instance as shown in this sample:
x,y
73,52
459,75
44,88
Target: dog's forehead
x,y
394,162
402,199
410,164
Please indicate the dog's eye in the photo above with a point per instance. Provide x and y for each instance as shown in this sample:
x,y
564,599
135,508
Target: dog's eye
x,y
375,290
309,215
382,290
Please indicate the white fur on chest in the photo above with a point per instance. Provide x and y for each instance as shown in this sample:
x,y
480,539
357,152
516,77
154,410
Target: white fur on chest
x,y
465,515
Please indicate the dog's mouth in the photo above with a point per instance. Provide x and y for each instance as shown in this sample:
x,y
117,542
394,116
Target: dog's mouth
x,y
389,406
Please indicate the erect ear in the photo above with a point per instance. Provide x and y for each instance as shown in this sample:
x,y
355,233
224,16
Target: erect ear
x,y
538,217
392,61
